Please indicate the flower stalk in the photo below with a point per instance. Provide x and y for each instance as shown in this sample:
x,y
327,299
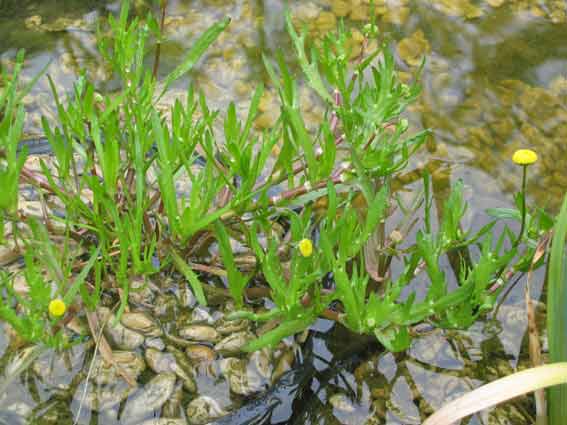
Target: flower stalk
x,y
523,157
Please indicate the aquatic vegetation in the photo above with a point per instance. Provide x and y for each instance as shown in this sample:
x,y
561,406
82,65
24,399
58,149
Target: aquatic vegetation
x,y
116,166
11,123
523,157
556,296
552,376
274,217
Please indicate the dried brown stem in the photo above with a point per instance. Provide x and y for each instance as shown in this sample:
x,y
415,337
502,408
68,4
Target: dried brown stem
x,y
533,334
105,349
34,179
302,190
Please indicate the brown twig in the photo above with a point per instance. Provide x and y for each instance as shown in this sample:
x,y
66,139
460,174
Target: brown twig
x,y
106,350
533,334
215,271
326,313
32,178
302,190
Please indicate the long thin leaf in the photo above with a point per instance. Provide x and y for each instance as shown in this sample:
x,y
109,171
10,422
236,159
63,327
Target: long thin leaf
x,y
498,391
274,336
310,70
557,314
236,280
80,279
190,275
197,50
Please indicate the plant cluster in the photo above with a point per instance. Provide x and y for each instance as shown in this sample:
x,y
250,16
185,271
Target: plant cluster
x,y
309,216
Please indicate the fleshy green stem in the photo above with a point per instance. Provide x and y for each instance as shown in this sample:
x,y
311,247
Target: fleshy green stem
x,y
522,227
163,7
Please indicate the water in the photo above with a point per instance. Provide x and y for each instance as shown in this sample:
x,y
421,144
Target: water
x,y
495,79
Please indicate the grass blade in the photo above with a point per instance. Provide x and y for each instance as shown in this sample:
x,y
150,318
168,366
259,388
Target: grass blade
x,y
557,314
498,391
80,279
309,69
198,49
190,275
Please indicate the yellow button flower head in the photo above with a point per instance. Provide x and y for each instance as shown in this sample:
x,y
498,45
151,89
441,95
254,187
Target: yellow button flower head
x,y
306,247
57,307
524,157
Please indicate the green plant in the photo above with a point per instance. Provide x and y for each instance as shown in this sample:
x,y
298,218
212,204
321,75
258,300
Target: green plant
x,y
117,161
552,376
557,314
36,324
11,125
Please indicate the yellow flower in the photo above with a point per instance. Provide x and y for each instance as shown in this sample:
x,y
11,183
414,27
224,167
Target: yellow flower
x,y
524,157
57,307
306,247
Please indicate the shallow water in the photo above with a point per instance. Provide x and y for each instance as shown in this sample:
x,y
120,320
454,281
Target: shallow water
x,y
495,79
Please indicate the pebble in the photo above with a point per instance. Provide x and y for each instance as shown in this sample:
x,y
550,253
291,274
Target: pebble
x,y
233,344
203,410
117,334
199,333
199,353
149,398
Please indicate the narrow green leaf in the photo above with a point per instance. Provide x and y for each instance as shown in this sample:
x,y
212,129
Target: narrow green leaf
x,y
80,279
394,339
305,141
190,275
505,213
195,53
236,280
252,112
557,313
274,336
309,69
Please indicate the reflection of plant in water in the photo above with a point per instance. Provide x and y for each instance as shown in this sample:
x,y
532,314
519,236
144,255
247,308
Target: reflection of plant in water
x,y
117,162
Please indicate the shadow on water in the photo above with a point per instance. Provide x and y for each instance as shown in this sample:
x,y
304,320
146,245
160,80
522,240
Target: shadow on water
x,y
295,398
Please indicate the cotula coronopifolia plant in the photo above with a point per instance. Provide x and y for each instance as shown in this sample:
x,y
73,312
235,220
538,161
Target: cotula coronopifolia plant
x,y
307,214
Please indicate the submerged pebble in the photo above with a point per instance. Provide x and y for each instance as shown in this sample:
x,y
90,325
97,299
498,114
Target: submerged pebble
x,y
142,323
130,362
200,315
101,397
158,361
117,334
164,362
203,410
165,421
172,407
199,333
243,378
342,403
227,327
198,353
233,344
149,398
